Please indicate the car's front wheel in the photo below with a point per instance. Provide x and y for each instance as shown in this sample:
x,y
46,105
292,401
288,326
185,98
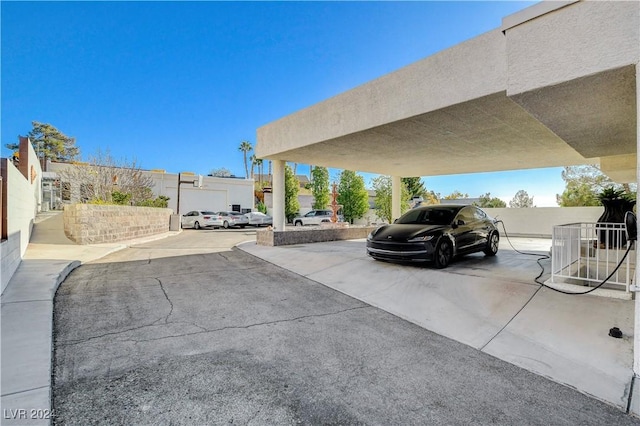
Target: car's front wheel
x,y
196,225
444,253
492,244
298,223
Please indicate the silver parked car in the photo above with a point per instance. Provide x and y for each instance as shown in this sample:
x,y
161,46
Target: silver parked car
x,y
230,218
315,217
259,219
201,219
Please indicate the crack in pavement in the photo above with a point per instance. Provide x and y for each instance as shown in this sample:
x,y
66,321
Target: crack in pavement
x,y
113,333
166,319
203,329
239,327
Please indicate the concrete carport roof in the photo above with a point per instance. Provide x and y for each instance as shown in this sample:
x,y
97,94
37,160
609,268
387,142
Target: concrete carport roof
x,y
554,86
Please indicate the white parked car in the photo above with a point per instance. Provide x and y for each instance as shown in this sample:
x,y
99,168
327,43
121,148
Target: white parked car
x,y
230,219
201,219
314,217
259,219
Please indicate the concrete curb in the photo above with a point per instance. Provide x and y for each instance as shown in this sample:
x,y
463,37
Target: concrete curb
x,y
27,327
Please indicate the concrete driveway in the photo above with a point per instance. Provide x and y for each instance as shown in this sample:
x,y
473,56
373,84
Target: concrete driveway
x,y
189,330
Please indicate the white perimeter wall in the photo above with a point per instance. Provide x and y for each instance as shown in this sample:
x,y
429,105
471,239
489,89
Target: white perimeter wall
x,y
24,197
539,221
530,222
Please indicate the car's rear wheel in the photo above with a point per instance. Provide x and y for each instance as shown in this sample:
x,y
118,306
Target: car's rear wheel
x,y
196,225
298,223
444,253
492,244
225,225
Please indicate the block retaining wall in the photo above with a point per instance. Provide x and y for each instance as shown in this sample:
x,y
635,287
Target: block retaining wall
x,y
95,224
266,237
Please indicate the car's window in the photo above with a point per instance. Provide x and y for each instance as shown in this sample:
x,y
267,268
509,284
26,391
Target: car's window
x,y
207,212
479,214
435,216
411,217
466,214
310,214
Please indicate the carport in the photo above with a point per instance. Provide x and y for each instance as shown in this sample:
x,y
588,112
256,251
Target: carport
x,y
555,85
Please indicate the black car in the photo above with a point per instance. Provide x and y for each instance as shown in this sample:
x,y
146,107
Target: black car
x,y
435,233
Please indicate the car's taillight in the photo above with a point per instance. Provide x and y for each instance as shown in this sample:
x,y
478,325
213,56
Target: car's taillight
x,y
207,217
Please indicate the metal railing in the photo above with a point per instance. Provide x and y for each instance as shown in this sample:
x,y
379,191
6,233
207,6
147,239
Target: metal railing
x,y
587,253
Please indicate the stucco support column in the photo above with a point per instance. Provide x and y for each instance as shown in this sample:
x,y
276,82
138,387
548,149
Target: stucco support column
x,y
279,219
636,334
396,197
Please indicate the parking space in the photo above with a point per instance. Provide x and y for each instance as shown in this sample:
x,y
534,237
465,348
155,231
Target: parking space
x,y
491,304
157,334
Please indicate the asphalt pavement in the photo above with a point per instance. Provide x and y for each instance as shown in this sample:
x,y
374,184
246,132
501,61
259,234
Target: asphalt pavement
x,y
190,330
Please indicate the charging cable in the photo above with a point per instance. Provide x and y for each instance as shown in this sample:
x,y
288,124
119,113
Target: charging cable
x,y
542,257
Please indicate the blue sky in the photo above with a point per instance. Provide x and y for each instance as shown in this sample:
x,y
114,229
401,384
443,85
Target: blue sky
x,y
178,85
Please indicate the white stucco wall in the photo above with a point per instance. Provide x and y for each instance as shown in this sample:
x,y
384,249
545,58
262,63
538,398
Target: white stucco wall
x,y
582,38
424,86
539,221
216,193
24,197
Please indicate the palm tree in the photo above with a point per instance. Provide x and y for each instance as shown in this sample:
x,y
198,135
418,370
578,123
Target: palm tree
x,y
253,165
258,162
245,147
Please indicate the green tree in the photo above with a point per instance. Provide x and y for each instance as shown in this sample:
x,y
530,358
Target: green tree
x,y
320,187
291,189
352,195
578,194
382,186
414,186
521,200
258,163
487,201
431,197
261,207
583,184
245,147
456,195
50,143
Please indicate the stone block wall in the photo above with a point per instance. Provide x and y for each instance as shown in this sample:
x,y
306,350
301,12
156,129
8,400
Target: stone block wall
x,y
95,224
314,234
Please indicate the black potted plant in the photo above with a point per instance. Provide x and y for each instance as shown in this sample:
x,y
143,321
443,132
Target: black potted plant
x,y
616,203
